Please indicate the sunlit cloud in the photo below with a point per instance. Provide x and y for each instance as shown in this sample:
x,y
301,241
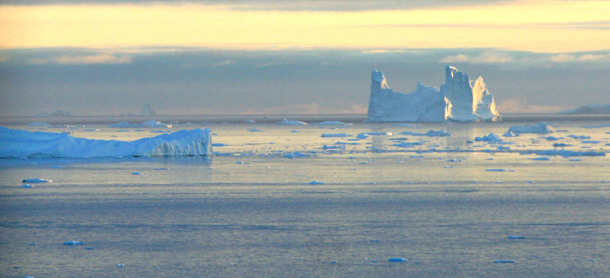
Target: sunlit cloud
x,y
102,58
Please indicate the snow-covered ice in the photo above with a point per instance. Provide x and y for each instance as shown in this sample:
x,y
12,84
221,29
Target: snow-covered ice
x,y
19,143
459,99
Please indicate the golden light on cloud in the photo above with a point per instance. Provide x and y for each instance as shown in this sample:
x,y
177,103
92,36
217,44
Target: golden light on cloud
x,y
545,26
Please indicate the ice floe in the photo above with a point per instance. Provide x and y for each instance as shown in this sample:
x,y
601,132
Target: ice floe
x,y
488,138
73,242
397,260
336,135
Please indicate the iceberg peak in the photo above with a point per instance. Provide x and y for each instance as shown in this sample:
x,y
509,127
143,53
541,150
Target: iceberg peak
x,y
378,80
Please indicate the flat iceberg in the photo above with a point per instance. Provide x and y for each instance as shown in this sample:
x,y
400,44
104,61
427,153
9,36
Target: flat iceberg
x,y
19,143
292,122
459,99
540,128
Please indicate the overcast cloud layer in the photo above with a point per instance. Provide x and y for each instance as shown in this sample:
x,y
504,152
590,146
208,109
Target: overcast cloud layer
x,y
203,81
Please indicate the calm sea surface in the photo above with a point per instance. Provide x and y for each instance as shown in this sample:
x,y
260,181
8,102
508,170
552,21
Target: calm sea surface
x,y
283,201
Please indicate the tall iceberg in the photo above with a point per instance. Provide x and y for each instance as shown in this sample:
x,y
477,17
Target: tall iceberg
x,y
459,99
20,143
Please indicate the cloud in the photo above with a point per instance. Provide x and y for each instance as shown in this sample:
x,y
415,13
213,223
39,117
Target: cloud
x,y
101,58
484,58
572,58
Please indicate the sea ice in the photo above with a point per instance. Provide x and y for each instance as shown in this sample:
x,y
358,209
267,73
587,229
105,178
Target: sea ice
x,y
397,260
19,143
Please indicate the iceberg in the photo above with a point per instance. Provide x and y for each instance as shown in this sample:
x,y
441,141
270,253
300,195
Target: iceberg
x,y
540,128
459,99
20,143
292,122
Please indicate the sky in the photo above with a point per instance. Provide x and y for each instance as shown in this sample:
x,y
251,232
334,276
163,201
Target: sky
x,y
96,57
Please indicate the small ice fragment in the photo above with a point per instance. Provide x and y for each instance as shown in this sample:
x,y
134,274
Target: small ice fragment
x,y
137,173
36,180
162,168
495,170
27,186
530,181
333,262
515,237
250,121
575,159
331,123
454,160
73,242
89,248
255,130
544,158
397,260
293,122
120,265
239,162
504,262
33,243
315,182
219,145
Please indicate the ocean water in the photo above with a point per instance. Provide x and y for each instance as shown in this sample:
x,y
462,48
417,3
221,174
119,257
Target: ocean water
x,y
274,202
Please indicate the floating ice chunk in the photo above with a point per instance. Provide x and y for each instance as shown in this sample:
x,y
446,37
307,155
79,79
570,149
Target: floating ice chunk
x,y
333,262
120,265
331,123
551,138
27,186
137,173
430,133
397,260
406,144
541,128
515,237
250,121
496,170
296,154
561,145
454,160
219,145
73,242
293,122
597,126
19,143
338,147
316,182
579,137
36,180
575,159
590,142
488,138
255,130
161,168
544,158
340,135
504,262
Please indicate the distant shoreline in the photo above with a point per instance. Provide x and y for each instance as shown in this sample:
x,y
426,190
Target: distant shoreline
x,y
235,119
